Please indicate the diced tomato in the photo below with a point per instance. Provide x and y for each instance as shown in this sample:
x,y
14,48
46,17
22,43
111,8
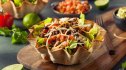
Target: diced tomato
x,y
62,38
52,39
49,41
58,36
71,37
73,7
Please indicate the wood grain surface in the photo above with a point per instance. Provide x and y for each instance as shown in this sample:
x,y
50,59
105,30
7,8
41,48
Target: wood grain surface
x,y
100,60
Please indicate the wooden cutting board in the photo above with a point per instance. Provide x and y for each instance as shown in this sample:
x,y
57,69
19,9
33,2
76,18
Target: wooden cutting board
x,y
102,61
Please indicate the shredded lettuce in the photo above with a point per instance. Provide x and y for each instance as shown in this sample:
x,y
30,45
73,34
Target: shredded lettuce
x,y
48,20
87,43
39,27
91,36
36,33
93,32
40,41
82,19
73,44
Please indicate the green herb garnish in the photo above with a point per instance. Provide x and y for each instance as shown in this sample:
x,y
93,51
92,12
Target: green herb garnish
x,y
5,32
17,35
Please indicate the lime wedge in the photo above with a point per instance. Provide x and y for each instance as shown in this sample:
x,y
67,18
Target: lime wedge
x,y
14,67
101,4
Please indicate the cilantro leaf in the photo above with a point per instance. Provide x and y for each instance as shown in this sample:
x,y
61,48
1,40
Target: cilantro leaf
x,y
5,32
19,36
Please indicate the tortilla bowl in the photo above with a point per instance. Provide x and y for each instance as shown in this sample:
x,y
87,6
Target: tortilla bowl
x,y
26,7
61,56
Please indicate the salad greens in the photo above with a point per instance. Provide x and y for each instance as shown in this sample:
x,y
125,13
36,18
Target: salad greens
x,y
48,20
88,43
18,36
94,30
38,27
40,41
92,33
73,44
82,19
